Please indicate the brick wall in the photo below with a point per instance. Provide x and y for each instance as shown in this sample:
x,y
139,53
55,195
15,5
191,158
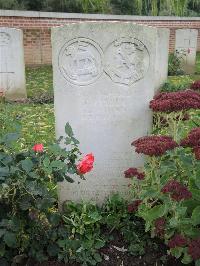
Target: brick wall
x,y
37,34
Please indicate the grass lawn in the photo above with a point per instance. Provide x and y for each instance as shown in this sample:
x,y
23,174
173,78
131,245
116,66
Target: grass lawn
x,y
39,81
37,120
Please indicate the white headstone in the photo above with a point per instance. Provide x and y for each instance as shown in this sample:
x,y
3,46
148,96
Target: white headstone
x,y
186,45
104,78
162,57
12,68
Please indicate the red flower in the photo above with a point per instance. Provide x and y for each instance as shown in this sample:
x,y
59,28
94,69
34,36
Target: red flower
x,y
194,249
196,151
160,226
177,191
175,101
131,172
134,206
177,241
195,85
193,138
154,145
86,164
38,147
193,141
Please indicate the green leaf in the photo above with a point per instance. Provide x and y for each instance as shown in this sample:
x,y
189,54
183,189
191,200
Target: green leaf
x,y
173,222
54,219
68,130
46,162
4,171
68,141
2,232
186,259
176,252
10,239
99,244
197,263
196,216
24,204
197,182
11,137
195,194
181,211
2,250
75,141
97,257
69,179
53,250
27,165
156,212
58,165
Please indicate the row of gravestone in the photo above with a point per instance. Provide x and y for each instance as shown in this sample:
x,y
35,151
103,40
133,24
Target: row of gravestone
x,y
12,70
105,74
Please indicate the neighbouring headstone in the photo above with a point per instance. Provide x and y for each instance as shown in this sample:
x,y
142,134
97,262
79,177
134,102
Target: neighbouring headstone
x,y
186,46
162,57
12,68
104,78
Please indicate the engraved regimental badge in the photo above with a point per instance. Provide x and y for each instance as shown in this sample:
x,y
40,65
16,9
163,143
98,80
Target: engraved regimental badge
x,y
80,61
126,60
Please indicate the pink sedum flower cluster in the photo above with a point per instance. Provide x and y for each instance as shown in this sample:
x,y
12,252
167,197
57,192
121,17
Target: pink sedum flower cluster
x,y
194,249
160,226
195,85
193,138
175,101
176,190
177,241
133,172
193,141
154,145
134,206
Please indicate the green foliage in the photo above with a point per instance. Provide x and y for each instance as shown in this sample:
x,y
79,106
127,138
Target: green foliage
x,y
116,217
35,119
181,217
177,83
28,196
82,221
39,82
138,7
36,123
198,63
86,224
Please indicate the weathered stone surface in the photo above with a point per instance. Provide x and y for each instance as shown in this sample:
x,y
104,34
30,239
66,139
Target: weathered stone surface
x,y
162,54
104,78
186,45
12,68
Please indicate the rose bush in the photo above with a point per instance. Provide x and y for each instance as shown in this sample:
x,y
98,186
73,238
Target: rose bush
x,y
28,198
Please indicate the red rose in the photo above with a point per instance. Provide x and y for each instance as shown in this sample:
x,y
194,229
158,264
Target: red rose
x,y
86,164
38,147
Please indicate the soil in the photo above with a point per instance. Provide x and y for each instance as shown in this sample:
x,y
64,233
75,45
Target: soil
x,y
115,254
